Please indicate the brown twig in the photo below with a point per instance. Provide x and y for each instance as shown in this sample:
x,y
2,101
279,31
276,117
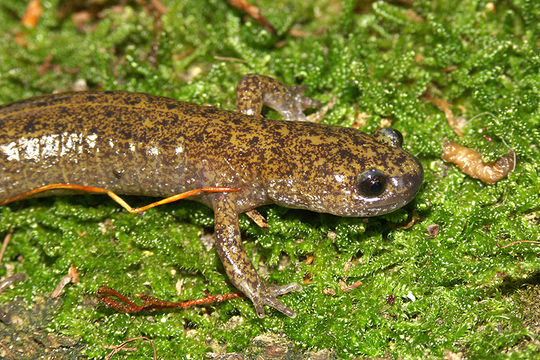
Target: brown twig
x,y
4,284
257,218
518,242
5,243
125,305
72,276
156,9
110,347
254,12
11,280
351,287
122,345
160,8
9,353
456,124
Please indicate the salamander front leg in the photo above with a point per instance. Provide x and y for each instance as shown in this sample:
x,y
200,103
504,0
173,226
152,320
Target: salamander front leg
x,y
237,264
254,90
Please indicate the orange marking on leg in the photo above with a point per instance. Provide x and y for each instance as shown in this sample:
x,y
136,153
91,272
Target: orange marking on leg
x,y
180,196
53,187
117,198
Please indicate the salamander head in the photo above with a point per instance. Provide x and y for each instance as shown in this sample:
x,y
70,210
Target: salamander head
x,y
350,174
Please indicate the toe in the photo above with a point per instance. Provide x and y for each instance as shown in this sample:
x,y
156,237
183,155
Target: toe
x,y
284,289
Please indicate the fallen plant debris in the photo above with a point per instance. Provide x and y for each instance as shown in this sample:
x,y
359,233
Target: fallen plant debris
x,y
125,305
122,346
470,162
254,12
72,276
33,13
518,242
5,243
257,218
352,286
4,284
8,353
456,124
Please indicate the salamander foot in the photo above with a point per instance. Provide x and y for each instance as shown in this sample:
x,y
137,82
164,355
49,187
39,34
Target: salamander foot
x,y
268,296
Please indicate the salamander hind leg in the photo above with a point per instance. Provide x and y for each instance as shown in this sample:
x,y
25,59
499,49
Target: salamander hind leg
x,y
237,264
254,90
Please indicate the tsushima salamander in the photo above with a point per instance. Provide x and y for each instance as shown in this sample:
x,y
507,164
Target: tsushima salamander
x,y
139,144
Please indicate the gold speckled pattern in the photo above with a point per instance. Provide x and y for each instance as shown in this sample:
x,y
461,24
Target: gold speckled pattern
x,y
133,143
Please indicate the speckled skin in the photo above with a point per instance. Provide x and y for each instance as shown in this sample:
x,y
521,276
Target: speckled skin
x,y
141,144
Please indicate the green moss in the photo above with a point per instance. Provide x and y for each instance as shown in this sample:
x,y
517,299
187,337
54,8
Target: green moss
x,y
457,291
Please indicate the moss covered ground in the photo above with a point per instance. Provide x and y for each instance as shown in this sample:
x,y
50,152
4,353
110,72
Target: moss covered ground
x,y
451,293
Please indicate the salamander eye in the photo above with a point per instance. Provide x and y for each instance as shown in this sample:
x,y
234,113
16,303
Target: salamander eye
x,y
389,136
372,183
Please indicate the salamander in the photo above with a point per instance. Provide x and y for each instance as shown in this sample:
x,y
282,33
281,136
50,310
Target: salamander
x,y
140,144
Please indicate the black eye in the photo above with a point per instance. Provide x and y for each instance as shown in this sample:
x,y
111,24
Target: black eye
x,y
371,183
389,136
